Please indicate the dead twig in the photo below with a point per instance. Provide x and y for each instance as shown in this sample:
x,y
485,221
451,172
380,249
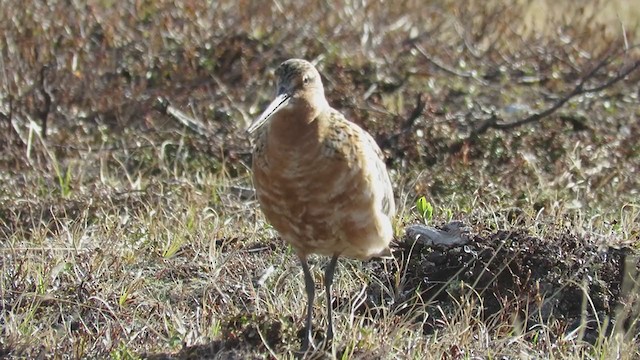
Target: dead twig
x,y
164,106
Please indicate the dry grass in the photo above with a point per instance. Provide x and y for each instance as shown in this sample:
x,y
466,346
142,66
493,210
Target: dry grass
x,y
125,235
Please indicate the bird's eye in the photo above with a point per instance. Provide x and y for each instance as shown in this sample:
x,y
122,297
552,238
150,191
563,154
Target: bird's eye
x,y
306,80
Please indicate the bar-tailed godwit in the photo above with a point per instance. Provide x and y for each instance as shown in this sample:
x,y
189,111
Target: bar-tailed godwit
x,y
320,179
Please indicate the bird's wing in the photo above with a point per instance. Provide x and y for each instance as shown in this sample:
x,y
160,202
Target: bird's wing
x,y
347,140
382,175
259,144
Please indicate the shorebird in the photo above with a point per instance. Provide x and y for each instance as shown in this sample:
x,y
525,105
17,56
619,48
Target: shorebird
x,y
320,180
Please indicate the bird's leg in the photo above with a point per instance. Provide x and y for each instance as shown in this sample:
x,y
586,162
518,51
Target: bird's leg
x,y
310,288
328,280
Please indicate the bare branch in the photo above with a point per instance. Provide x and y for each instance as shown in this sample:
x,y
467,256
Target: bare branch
x,y
43,114
578,90
493,121
407,125
415,114
437,63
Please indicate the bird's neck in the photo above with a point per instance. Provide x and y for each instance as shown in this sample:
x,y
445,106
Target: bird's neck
x,y
296,127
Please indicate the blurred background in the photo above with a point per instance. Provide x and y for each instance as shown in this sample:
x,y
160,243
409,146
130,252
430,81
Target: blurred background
x,y
502,114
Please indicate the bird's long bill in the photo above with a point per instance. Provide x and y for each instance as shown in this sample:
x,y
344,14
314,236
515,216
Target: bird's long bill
x,y
280,101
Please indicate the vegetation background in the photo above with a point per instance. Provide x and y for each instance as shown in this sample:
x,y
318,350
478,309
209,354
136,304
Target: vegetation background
x,y
127,234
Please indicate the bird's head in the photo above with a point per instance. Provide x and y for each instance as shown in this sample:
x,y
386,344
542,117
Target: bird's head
x,y
299,90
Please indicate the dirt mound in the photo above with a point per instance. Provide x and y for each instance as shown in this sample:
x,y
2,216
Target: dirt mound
x,y
564,279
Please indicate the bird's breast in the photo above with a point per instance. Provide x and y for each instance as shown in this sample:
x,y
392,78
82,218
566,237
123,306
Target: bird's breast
x,y
312,199
322,191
